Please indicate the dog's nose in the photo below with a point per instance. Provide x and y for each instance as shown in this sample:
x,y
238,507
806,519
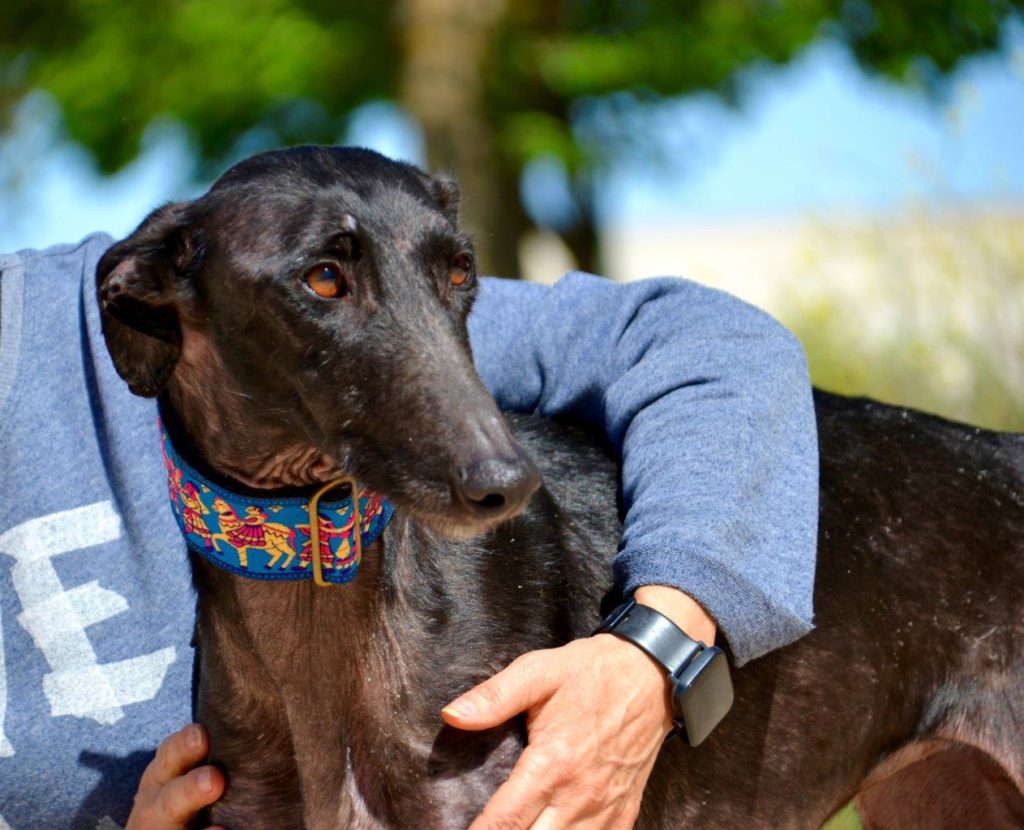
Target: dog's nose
x,y
496,486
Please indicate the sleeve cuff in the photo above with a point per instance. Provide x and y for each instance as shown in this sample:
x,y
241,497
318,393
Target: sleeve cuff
x,y
753,624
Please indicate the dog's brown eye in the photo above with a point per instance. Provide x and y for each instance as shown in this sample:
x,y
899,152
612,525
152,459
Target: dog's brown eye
x,y
461,271
326,280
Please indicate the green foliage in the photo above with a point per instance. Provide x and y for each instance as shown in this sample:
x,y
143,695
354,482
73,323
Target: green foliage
x,y
894,36
293,69
561,79
227,66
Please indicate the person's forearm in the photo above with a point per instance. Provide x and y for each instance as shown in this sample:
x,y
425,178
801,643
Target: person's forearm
x,y
709,403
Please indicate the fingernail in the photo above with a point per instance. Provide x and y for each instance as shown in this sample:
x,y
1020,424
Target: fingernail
x,y
193,737
204,780
458,709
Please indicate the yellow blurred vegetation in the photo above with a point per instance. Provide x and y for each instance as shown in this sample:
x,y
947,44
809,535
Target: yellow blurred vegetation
x,y
924,309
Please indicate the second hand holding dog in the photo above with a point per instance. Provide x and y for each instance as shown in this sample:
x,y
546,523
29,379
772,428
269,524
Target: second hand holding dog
x,y
578,770
176,786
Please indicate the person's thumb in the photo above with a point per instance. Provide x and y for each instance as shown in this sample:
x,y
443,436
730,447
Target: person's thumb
x,y
527,681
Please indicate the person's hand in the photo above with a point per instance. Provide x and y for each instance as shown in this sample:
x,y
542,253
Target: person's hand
x,y
597,711
173,788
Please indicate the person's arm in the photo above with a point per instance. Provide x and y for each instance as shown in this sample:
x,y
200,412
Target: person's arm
x,y
708,403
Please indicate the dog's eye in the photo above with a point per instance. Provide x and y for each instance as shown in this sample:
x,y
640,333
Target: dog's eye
x,y
461,272
326,280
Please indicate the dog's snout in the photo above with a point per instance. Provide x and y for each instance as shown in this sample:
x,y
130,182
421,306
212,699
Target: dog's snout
x,y
497,486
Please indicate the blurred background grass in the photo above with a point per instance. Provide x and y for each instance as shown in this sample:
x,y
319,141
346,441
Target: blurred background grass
x,y
581,131
921,305
932,315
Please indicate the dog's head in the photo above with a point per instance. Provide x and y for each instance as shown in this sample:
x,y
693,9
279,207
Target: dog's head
x,y
314,302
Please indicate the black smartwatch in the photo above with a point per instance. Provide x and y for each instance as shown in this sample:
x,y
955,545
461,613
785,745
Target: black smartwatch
x,y
698,674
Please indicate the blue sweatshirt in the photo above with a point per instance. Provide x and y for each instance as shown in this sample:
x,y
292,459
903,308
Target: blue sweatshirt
x,y
706,399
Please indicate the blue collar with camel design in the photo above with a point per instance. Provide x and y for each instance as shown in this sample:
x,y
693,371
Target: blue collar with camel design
x,y
273,538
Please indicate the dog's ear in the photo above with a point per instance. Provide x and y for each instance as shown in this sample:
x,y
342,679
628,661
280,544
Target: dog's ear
x,y
140,284
445,191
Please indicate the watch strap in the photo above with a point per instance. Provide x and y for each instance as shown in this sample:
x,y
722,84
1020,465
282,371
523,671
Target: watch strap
x,y
653,633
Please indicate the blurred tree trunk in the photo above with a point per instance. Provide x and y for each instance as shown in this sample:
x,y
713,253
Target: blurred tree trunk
x,y
582,238
446,43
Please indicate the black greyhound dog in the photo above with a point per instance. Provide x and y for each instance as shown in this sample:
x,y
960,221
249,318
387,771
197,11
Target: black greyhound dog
x,y
322,705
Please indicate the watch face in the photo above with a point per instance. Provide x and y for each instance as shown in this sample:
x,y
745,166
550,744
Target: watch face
x,y
703,694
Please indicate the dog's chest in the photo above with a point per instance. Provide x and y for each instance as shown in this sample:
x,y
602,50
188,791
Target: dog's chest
x,y
378,755
417,787
402,767
352,689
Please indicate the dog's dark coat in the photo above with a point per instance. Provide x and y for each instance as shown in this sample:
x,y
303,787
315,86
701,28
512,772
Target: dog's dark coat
x,y
323,705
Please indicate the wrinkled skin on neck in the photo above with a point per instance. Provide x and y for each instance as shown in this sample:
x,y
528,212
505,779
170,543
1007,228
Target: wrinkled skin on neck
x,y
230,436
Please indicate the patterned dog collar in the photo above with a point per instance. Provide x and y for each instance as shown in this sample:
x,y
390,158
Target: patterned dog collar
x,y
271,538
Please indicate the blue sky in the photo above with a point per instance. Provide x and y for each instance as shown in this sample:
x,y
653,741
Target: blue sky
x,y
820,135
815,136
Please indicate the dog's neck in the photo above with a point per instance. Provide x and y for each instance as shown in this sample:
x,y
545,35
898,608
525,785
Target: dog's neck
x,y
218,419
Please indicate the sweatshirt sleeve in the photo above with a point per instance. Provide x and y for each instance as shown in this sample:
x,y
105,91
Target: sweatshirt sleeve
x,y
707,401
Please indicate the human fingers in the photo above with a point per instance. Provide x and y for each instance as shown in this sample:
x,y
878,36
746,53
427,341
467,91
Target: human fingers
x,y
175,805
181,799
592,741
553,819
526,682
619,818
519,802
552,788
171,792
176,755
